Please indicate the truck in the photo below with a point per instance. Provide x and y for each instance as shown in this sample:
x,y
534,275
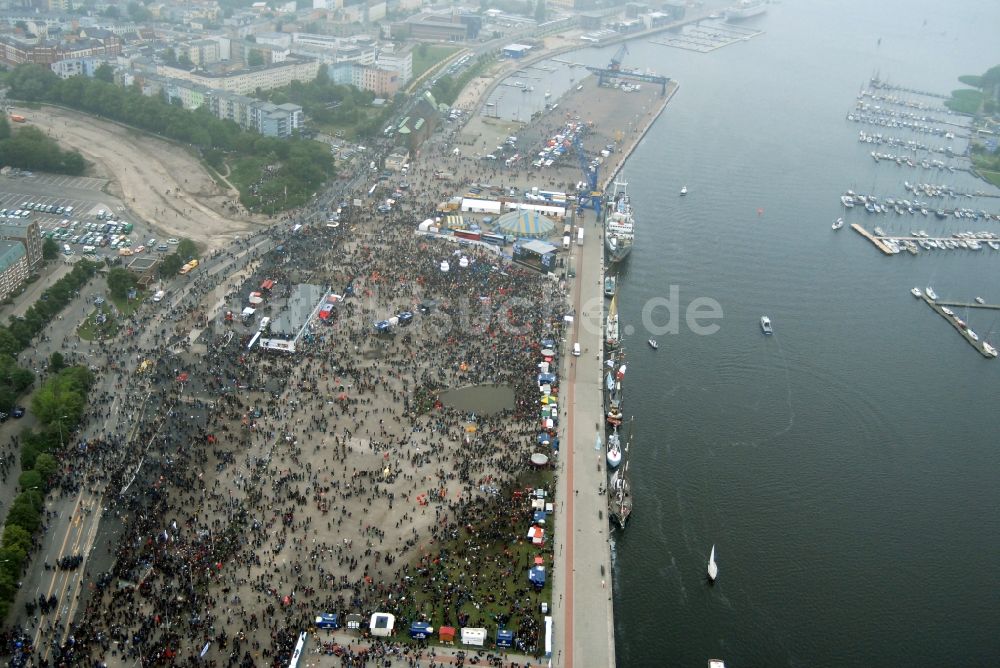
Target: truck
x,y
188,267
579,236
472,235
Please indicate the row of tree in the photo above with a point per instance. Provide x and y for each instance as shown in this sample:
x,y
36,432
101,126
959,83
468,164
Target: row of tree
x,y
17,335
299,166
30,148
59,406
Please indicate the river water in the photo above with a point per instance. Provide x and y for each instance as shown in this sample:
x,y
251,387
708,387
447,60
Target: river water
x,y
845,468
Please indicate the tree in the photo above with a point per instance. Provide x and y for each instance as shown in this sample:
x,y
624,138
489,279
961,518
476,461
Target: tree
x,y
23,514
56,362
17,538
171,265
255,59
185,62
31,479
5,126
46,465
169,56
120,281
187,250
105,73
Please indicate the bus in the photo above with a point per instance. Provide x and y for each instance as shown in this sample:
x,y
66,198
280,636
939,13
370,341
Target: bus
x,y
495,239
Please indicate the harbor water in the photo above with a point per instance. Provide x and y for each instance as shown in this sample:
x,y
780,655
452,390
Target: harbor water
x,y
845,468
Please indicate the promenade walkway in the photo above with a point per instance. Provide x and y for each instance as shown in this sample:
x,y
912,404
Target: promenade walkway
x,y
584,633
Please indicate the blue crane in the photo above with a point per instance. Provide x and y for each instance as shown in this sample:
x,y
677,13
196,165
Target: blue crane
x,y
591,197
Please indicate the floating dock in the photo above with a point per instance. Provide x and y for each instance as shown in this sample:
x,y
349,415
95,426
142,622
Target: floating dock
x,y
978,344
706,38
879,244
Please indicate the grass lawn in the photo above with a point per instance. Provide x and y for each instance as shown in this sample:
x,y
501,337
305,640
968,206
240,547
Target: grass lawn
x,y
992,177
92,329
426,58
488,577
127,307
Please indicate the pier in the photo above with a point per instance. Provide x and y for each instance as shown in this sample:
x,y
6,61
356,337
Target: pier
x,y
979,344
879,244
995,307
705,39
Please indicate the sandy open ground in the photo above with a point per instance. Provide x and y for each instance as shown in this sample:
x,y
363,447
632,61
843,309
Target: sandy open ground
x,y
158,180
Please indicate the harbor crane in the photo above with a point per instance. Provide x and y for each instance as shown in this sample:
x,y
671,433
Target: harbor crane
x,y
592,196
614,71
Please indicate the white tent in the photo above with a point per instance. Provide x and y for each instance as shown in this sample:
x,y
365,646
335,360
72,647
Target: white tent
x,y
473,636
381,624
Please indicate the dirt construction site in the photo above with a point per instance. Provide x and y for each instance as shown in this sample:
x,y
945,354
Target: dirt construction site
x,y
159,181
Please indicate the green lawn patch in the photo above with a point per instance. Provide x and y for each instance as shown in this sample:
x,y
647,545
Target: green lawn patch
x,y
127,307
99,325
427,56
992,177
480,576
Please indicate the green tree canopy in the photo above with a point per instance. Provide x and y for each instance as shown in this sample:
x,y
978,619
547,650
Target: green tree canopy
x,y
50,249
120,281
187,250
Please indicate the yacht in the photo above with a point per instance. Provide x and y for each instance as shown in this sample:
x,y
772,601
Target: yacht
x,y
614,449
930,292
713,568
847,201
652,343
839,223
716,663
972,335
989,350
765,324
916,292
610,286
980,300
684,190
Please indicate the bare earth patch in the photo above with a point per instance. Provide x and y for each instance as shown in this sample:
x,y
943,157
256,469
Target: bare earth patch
x,y
158,180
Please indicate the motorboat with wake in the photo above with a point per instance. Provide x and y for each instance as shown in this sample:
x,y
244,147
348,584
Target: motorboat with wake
x,y
653,344
916,293
684,190
837,224
610,286
765,325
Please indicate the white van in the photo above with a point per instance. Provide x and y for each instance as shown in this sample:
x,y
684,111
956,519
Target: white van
x,y
159,295
576,349
566,242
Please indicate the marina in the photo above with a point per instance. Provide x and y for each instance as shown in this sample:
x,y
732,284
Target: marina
x,y
706,37
973,339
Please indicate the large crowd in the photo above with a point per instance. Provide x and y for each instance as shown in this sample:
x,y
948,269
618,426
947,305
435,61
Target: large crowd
x,y
255,489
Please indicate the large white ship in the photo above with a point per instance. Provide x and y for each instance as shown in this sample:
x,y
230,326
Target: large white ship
x,y
745,10
619,226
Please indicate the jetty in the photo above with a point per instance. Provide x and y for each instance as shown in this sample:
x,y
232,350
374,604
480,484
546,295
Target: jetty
x,y
995,307
706,38
876,241
978,343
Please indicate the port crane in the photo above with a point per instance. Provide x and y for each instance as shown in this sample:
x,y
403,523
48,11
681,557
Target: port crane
x,y
614,71
592,196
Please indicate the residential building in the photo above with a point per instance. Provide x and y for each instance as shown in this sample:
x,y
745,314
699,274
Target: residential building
x,y
246,81
28,233
16,50
13,267
72,67
276,120
200,52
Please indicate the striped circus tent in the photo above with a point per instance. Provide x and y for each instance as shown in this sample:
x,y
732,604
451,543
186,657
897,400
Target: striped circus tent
x,y
525,223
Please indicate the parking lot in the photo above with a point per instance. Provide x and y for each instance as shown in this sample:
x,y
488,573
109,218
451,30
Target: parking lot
x,y
78,215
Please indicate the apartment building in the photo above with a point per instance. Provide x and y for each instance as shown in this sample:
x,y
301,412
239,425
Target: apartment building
x,y
13,267
28,233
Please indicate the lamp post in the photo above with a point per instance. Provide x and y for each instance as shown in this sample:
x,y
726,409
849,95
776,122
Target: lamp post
x,y
64,417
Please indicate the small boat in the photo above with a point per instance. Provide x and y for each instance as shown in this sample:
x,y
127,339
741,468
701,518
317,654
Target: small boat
x,y
614,449
610,286
684,190
930,292
980,300
916,292
716,663
765,324
713,568
652,343
989,350
837,224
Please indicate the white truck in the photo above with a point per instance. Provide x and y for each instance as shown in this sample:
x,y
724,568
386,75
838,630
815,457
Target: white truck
x,y
579,236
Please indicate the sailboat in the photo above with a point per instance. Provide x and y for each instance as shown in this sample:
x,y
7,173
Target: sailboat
x,y
713,568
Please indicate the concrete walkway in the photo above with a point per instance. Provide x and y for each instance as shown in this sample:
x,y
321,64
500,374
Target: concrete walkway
x,y
582,594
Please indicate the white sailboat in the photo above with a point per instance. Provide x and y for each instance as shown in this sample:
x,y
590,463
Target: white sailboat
x,y
713,568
